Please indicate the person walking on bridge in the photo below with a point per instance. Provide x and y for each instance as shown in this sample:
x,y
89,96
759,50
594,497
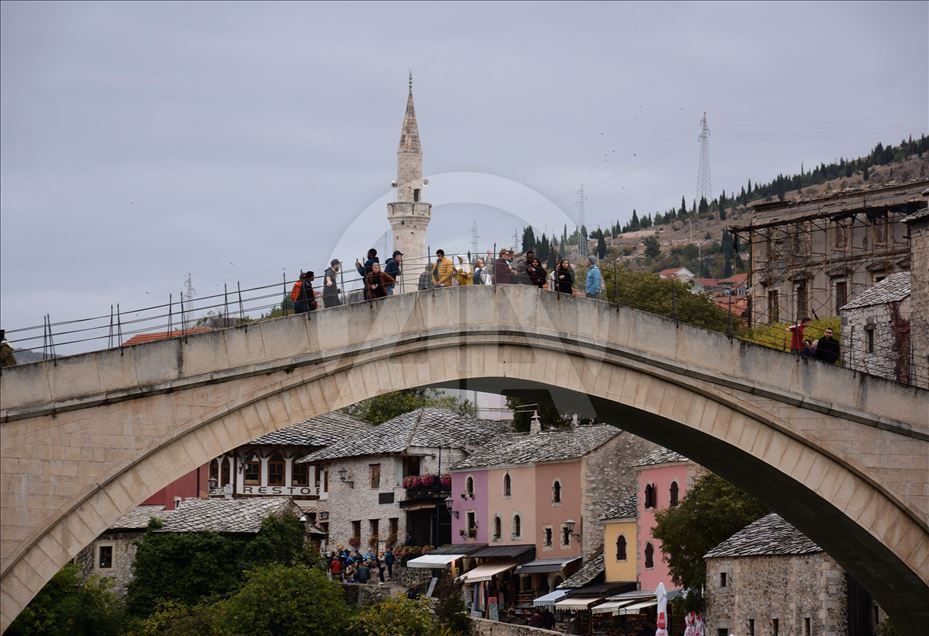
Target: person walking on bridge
x,y
330,284
306,296
594,279
564,277
377,282
443,271
392,269
365,269
503,273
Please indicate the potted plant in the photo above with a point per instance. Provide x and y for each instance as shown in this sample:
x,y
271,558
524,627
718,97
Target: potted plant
x,y
354,542
372,542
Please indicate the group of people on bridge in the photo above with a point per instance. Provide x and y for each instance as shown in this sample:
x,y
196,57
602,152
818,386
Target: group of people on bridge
x,y
380,282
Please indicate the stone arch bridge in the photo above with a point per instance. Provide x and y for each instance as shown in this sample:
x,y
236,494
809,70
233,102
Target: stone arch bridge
x,y
842,456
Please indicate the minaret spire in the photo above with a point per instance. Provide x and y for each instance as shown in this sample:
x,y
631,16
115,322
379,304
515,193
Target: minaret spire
x,y
411,82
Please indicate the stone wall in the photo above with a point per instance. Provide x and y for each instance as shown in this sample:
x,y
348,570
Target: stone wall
x,y
484,627
124,549
919,297
856,323
608,476
408,577
790,589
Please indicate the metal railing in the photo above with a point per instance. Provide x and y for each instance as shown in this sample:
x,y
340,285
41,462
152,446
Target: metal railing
x,y
235,306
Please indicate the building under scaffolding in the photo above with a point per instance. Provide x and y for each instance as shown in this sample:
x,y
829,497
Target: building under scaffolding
x,y
810,257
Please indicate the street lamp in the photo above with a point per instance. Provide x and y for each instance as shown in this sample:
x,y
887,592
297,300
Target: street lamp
x,y
450,504
569,525
342,477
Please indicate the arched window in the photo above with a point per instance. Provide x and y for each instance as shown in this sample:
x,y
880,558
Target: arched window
x,y
517,527
214,469
276,470
556,492
507,483
674,494
225,477
498,528
469,487
621,548
649,555
650,499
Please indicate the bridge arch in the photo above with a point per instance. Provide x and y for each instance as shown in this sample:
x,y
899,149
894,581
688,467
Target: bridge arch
x,y
162,409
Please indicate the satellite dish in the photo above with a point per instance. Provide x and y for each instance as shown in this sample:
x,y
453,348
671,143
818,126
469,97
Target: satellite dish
x,y
425,182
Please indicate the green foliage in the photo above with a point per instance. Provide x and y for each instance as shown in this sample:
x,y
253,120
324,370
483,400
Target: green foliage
x,y
526,402
188,566
887,628
711,512
277,600
172,618
652,247
70,606
452,613
666,297
388,406
396,616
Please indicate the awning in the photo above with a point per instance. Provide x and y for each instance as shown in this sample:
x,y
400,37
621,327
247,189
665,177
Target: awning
x,y
486,571
432,560
608,607
459,548
549,599
577,603
540,566
523,553
635,607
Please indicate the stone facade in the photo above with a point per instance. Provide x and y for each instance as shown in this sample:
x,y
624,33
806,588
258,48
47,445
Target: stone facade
x,y
484,627
918,225
812,256
121,547
791,589
875,339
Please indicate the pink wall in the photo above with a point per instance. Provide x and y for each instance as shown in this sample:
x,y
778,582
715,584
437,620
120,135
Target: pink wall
x,y
193,484
521,501
478,505
553,514
661,477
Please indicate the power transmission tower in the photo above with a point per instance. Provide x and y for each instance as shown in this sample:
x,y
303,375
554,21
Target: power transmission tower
x,y
475,238
189,293
704,183
581,240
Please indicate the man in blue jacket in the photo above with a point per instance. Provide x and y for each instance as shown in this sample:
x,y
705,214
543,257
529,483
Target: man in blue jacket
x,y
392,268
594,279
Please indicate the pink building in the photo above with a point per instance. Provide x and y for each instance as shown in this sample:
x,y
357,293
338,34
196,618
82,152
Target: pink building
x,y
663,479
469,507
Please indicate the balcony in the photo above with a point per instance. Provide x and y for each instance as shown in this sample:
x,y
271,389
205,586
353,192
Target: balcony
x,y
429,487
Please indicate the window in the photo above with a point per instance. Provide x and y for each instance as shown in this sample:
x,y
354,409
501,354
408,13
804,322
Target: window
x,y
722,579
517,527
253,473
374,528
722,631
674,494
214,468
507,485
374,472
839,235
276,470
106,557
869,336
411,466
225,476
880,230
751,627
807,627
416,195
774,627
472,524
356,530
498,528
774,313
548,537
565,536
803,300
300,475
650,499
556,492
469,487
841,295
325,481
621,548
649,555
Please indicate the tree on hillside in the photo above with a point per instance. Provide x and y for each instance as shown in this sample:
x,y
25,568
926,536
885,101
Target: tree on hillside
x,y
390,405
711,512
652,247
529,242
601,247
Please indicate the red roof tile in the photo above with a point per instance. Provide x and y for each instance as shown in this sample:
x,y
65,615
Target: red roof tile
x,y
163,335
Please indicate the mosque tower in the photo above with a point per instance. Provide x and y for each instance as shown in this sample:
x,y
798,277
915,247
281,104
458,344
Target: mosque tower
x,y
409,214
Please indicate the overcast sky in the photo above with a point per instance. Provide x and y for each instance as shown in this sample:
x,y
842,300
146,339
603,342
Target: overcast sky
x,y
142,141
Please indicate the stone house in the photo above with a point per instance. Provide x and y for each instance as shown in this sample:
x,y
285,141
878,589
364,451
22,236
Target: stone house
x,y
545,489
918,226
227,516
113,552
810,257
876,330
769,578
386,485
664,477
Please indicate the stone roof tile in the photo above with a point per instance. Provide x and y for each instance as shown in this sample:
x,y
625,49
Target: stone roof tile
x,y
769,536
626,509
661,456
526,448
138,517
892,289
233,516
324,430
587,574
426,427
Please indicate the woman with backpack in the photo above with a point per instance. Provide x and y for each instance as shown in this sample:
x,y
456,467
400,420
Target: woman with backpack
x,y
303,295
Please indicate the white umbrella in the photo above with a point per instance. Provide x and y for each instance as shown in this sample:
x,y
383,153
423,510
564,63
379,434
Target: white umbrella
x,y
662,621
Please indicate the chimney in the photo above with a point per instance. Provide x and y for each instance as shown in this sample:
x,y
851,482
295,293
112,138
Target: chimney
x,y
535,425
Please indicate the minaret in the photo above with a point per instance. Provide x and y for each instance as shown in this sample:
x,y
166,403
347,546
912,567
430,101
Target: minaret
x,y
409,215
